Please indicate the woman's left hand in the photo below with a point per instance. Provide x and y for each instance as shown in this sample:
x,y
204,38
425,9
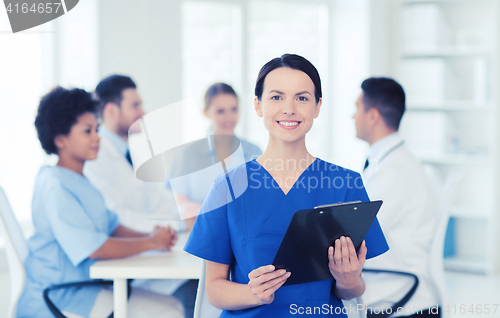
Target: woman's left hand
x,y
345,266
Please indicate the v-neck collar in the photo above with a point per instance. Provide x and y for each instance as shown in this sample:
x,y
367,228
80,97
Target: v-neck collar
x,y
293,186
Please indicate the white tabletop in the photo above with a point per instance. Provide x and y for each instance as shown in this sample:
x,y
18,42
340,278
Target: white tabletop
x,y
151,265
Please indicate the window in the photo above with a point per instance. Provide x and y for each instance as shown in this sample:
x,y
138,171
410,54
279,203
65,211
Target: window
x,y
211,48
63,51
21,85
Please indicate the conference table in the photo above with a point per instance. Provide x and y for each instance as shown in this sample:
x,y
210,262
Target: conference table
x,y
175,264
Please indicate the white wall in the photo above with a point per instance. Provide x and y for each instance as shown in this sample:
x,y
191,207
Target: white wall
x,y
142,39
381,36
76,47
23,79
350,25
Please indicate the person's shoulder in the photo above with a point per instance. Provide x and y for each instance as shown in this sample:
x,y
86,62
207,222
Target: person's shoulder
x,y
50,179
193,153
49,174
403,161
106,149
408,157
250,149
237,175
107,158
194,146
240,170
247,144
405,171
235,178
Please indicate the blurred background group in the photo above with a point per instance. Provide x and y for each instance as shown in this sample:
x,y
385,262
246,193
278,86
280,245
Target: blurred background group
x,y
445,53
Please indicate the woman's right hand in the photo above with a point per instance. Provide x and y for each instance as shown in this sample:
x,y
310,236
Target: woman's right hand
x,y
163,238
265,280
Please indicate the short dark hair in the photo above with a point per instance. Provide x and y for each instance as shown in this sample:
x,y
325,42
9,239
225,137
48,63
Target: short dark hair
x,y
110,90
387,96
292,61
58,111
216,89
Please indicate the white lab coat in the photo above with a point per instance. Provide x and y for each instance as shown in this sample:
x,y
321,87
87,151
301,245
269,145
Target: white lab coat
x,y
139,205
408,218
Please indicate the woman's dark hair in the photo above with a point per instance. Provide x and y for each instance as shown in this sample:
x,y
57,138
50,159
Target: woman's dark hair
x,y
387,96
292,61
58,111
110,90
216,89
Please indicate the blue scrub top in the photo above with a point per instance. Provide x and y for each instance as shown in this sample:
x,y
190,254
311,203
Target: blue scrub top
x,y
247,231
71,222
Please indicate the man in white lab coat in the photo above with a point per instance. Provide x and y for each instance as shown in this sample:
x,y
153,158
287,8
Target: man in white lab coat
x,y
409,213
139,205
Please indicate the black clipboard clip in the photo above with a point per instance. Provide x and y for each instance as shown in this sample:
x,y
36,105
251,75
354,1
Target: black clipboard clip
x,y
335,204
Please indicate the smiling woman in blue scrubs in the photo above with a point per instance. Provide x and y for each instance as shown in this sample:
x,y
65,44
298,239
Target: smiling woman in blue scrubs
x,y
73,228
239,232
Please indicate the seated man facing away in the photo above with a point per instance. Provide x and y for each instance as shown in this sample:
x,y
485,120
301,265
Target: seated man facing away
x,y
408,216
139,205
73,228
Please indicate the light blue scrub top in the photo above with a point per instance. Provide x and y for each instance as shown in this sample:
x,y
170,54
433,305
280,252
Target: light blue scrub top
x,y
247,232
71,222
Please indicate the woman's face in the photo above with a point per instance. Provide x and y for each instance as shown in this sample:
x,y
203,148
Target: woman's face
x,y
223,112
288,105
82,141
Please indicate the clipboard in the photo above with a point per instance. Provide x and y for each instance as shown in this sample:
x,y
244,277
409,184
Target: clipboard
x,y
304,248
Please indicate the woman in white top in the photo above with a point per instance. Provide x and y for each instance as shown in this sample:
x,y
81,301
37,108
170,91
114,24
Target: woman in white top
x,y
221,107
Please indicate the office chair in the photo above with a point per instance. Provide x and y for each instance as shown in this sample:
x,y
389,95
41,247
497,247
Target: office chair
x,y
436,266
437,247
17,250
204,309
400,303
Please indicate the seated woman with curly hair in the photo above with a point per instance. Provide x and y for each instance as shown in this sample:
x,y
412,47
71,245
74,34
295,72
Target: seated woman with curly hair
x,y
73,228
